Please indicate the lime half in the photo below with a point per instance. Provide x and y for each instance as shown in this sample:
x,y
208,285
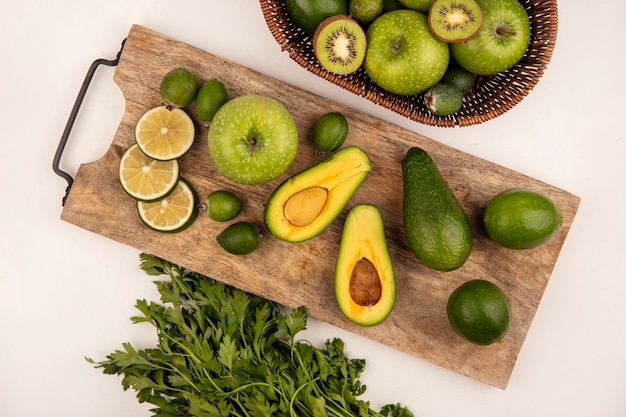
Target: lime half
x,y
145,178
165,134
173,213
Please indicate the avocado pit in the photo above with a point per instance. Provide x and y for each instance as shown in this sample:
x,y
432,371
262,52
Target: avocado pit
x,y
365,286
305,205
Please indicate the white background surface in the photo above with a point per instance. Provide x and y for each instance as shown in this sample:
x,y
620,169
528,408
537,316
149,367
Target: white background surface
x,y
66,293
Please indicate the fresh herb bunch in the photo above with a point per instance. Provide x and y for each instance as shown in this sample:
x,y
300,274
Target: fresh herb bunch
x,y
223,352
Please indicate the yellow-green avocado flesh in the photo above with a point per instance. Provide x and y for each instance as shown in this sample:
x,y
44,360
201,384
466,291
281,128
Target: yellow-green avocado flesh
x,y
308,202
365,283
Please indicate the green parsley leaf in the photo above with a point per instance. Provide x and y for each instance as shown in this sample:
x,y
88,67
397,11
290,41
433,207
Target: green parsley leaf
x,y
224,352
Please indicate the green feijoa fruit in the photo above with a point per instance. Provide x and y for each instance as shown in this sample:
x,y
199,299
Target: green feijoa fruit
x,y
240,238
520,218
437,229
365,11
308,14
459,77
443,99
178,88
222,205
210,98
390,5
479,312
329,132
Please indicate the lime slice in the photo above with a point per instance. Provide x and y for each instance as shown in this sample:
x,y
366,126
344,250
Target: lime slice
x,y
144,178
173,213
165,134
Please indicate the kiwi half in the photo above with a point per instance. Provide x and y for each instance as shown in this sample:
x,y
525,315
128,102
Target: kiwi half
x,y
339,44
455,20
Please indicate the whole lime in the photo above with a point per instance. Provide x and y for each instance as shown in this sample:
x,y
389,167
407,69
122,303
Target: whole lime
x,y
308,14
520,218
178,88
222,205
329,132
479,312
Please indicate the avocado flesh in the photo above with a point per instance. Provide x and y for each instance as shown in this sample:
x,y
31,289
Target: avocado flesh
x,y
365,283
308,202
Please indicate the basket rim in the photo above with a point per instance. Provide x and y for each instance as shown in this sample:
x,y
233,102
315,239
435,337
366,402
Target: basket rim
x,y
491,97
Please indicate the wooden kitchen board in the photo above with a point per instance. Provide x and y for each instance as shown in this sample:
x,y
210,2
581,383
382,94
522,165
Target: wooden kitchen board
x,y
302,274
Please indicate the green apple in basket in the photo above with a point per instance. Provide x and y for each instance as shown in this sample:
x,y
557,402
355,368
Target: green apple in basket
x,y
403,56
500,43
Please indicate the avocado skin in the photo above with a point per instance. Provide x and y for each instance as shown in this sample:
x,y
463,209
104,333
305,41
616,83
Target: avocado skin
x,y
436,227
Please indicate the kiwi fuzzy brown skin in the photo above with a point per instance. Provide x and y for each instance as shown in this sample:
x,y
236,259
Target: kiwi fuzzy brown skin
x,y
443,17
343,57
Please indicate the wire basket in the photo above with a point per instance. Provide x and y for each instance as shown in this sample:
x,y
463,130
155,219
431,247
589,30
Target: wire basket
x,y
490,97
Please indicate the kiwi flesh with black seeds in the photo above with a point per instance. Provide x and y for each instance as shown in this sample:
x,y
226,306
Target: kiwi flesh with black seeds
x,y
455,20
339,44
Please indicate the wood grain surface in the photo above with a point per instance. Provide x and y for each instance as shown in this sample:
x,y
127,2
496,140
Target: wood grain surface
x,y
302,274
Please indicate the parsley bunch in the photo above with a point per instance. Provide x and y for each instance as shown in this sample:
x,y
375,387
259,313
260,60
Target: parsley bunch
x,y
223,352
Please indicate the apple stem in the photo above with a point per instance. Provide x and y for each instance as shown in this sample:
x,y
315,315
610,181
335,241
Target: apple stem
x,y
251,142
396,44
503,30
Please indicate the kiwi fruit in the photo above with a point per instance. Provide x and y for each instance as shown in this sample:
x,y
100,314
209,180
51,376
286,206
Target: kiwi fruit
x,y
339,44
455,20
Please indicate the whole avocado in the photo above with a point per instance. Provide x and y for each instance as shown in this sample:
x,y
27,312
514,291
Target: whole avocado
x,y
436,227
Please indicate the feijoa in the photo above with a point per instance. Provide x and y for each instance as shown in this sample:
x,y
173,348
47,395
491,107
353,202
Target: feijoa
x,y
443,99
210,98
240,238
329,132
178,88
459,77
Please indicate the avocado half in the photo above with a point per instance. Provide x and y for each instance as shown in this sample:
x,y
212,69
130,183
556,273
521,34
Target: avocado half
x,y
306,203
365,282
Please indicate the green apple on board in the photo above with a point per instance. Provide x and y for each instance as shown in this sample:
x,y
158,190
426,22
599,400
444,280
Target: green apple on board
x,y
500,43
252,139
403,57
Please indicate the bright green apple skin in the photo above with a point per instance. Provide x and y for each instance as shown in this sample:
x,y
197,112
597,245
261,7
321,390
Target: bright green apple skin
x,y
252,139
403,57
489,52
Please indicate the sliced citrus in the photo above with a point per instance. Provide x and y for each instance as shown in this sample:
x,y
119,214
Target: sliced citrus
x,y
173,213
145,178
165,134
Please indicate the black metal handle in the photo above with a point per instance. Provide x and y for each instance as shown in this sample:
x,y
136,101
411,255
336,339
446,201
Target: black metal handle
x,y
70,122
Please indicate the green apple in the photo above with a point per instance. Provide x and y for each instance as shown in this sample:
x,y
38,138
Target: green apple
x,y
500,43
252,139
403,57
